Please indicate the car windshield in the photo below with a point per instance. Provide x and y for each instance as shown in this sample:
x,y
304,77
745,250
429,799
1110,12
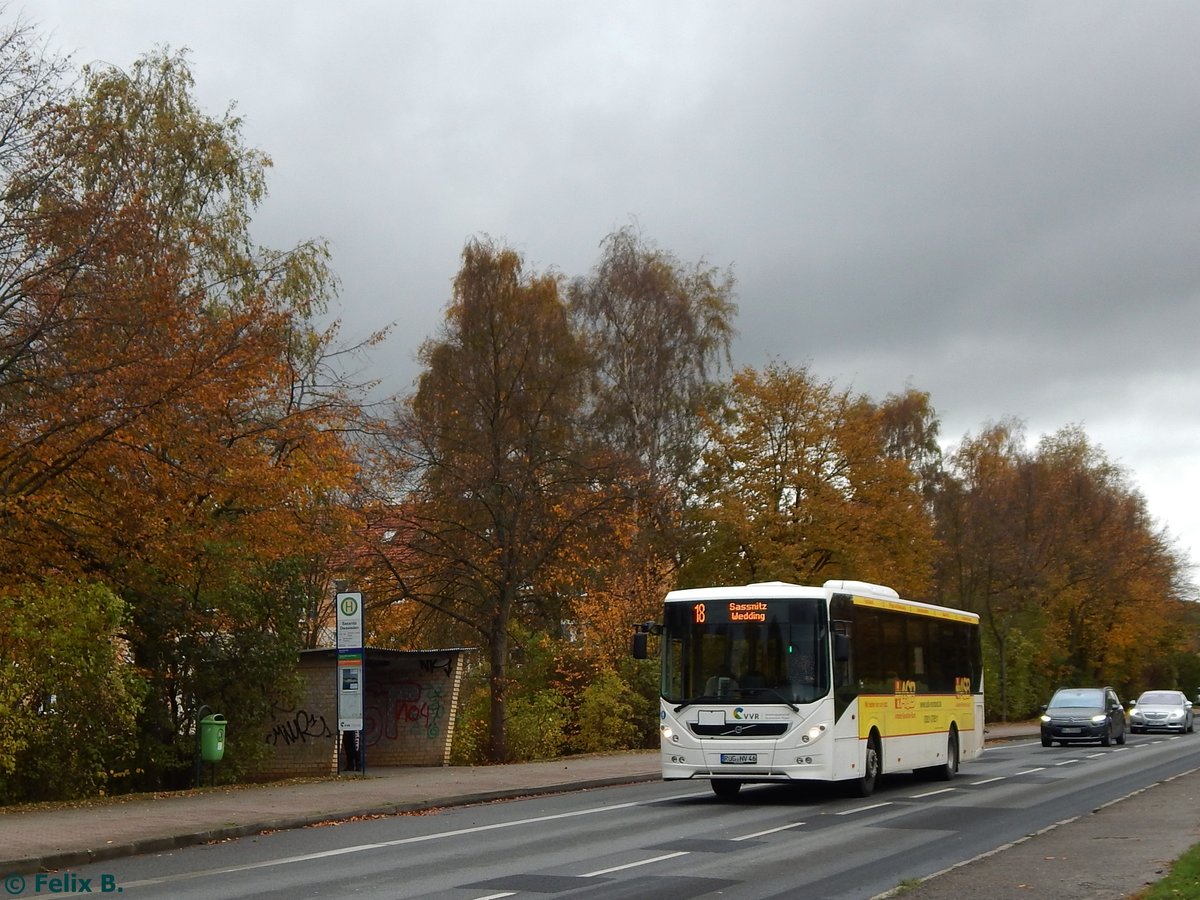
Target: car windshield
x,y
1160,698
1090,697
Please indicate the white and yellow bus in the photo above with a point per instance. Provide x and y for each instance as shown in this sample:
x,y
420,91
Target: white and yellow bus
x,y
779,682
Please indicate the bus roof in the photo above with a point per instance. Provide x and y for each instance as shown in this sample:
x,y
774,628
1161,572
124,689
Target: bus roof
x,y
882,596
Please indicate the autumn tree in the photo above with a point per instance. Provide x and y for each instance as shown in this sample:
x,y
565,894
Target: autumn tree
x,y
1113,570
657,332
31,86
1055,549
170,424
994,553
797,484
506,485
910,432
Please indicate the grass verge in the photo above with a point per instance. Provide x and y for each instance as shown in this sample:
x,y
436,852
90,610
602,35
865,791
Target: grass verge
x,y
1182,881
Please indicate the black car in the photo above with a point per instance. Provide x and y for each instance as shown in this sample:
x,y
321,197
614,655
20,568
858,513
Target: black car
x,y
1083,714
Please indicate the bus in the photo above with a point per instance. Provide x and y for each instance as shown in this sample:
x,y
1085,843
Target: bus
x,y
778,682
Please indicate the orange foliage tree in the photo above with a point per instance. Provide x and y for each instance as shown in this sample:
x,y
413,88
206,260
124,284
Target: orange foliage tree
x,y
1056,551
172,423
505,483
797,484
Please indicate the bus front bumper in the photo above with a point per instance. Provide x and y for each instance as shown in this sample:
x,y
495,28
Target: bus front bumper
x,y
745,763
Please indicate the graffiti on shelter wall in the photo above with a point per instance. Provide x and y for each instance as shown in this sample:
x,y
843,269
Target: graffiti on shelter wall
x,y
440,664
302,727
403,708
411,708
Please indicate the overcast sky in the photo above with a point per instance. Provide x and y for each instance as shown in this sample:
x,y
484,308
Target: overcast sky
x,y
997,203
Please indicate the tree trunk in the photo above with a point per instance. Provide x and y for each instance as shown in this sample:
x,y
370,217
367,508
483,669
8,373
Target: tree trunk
x,y
498,681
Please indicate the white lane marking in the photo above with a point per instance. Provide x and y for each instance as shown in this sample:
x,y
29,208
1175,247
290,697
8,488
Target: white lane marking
x,y
1068,762
746,837
987,781
634,865
931,793
850,812
498,896
1031,771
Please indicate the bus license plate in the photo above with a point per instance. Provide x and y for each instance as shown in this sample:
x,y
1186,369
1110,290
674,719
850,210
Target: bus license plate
x,y
739,759
1071,730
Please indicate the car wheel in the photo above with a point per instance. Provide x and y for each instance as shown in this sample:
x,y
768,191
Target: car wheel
x,y
1106,741
1121,737
1046,742
1191,725
726,790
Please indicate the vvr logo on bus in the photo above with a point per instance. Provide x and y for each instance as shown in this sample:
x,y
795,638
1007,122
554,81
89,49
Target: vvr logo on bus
x,y
741,714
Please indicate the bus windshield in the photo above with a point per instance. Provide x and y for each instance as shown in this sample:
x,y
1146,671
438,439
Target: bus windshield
x,y
774,651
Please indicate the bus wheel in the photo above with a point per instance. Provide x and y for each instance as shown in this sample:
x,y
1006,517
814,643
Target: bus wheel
x,y
865,786
950,769
726,790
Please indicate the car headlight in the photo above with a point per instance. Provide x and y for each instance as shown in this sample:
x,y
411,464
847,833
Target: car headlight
x,y
1046,720
1100,719
1176,714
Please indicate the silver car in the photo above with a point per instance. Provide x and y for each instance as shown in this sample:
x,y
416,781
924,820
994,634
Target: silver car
x,y
1161,710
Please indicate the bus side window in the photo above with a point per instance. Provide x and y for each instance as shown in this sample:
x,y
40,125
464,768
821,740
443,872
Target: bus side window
x,y
841,657
841,648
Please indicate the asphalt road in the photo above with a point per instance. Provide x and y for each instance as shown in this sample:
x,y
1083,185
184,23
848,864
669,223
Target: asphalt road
x,y
670,840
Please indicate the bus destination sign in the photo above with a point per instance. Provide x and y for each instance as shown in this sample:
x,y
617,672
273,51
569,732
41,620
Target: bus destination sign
x,y
729,612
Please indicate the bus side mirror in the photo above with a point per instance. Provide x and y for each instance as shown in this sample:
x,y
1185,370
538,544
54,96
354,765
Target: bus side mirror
x,y
639,637
841,647
639,645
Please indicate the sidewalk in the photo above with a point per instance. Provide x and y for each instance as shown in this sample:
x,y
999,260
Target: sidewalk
x,y
1124,845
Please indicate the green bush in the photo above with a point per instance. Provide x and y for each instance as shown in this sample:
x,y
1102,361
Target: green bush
x,y
69,696
1026,685
470,742
608,715
537,725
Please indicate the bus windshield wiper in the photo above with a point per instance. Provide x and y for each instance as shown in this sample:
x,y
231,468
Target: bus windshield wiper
x,y
701,699
772,691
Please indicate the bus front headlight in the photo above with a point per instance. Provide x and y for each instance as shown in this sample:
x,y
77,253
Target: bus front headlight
x,y
668,734
812,734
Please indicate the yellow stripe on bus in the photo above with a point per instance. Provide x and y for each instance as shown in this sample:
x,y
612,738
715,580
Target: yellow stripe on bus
x,y
952,615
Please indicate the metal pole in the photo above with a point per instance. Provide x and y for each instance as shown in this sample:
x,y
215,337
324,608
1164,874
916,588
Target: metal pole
x,y
196,725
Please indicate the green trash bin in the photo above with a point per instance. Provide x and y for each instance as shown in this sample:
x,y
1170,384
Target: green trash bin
x,y
212,737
